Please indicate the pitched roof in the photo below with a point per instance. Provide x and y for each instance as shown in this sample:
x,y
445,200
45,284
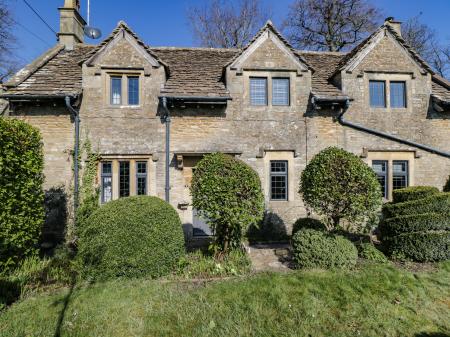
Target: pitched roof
x,y
195,71
56,73
440,89
355,51
324,64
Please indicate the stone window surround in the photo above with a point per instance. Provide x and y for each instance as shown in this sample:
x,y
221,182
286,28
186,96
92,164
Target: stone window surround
x,y
115,159
282,155
124,74
387,78
390,156
269,75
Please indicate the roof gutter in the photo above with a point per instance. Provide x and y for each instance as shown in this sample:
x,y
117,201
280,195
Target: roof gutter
x,y
13,97
197,99
76,116
355,126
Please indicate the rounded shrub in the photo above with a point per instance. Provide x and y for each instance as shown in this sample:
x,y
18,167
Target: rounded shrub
x,y
131,237
369,252
318,249
438,203
413,193
414,223
21,193
310,223
420,246
340,186
227,192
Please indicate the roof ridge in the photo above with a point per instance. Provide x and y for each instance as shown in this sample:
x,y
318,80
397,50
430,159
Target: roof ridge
x,y
322,52
194,48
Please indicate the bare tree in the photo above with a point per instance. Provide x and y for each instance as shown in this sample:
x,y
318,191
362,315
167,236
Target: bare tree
x,y
332,25
223,24
425,41
7,42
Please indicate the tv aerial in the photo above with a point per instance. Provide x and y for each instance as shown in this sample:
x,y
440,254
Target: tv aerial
x,y
89,31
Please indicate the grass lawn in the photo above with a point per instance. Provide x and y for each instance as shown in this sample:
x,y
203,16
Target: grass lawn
x,y
371,301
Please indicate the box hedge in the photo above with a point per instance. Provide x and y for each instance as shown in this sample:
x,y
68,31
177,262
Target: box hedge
x,y
369,252
308,223
319,249
420,246
21,193
413,193
131,237
414,223
439,203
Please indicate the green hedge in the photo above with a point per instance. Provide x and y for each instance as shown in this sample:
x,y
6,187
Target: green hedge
x,y
421,246
131,237
21,194
308,223
369,252
413,193
439,203
318,249
414,223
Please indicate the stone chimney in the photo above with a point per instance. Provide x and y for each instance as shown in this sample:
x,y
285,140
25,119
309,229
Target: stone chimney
x,y
396,25
71,24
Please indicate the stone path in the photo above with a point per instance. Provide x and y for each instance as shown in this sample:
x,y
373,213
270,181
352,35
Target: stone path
x,y
270,257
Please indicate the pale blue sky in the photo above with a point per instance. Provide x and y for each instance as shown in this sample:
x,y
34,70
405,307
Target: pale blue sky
x,y
163,22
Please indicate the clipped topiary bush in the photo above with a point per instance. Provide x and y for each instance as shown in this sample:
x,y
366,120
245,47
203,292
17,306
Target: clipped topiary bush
x,y
131,237
318,249
414,223
308,223
413,193
340,186
21,194
420,246
227,192
439,203
369,252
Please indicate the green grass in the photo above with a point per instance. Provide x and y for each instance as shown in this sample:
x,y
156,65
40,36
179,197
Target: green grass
x,y
376,300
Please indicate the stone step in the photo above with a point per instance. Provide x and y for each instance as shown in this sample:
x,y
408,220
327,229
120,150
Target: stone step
x,y
270,257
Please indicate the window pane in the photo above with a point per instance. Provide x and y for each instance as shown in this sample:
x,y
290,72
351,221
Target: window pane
x,y
124,179
133,90
377,94
278,180
141,178
399,174
106,181
258,91
280,91
398,94
116,90
380,168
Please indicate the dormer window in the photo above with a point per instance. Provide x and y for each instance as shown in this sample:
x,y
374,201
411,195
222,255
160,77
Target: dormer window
x,y
377,91
124,89
258,90
398,94
280,91
116,90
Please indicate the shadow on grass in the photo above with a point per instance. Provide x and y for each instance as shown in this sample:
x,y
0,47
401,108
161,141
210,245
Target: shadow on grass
x,y
432,334
65,302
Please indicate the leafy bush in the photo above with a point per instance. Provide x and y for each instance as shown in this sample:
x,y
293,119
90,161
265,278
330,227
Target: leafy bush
x,y
317,249
420,246
200,265
227,192
447,185
439,203
369,252
414,223
131,237
413,193
340,186
21,194
308,223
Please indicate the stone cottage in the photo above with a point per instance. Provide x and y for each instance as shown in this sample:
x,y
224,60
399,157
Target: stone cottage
x,y
268,104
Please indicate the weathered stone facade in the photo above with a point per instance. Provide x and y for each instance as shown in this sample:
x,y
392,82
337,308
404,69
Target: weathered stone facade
x,y
255,134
